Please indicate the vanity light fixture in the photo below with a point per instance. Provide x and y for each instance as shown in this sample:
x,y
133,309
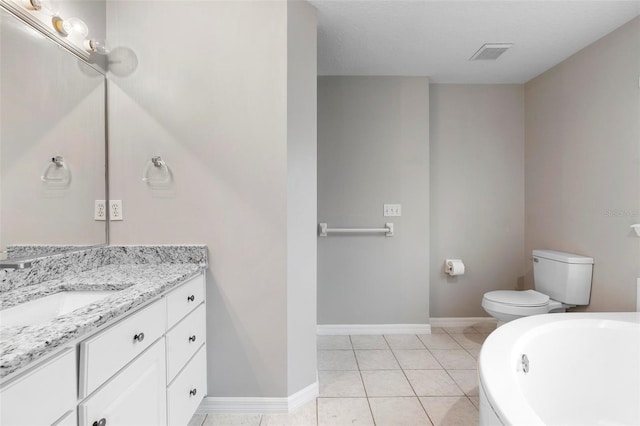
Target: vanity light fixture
x,y
66,27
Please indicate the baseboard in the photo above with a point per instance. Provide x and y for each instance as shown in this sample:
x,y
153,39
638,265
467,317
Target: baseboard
x,y
210,405
462,321
343,329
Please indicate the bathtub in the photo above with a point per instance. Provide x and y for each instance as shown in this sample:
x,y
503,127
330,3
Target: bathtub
x,y
578,369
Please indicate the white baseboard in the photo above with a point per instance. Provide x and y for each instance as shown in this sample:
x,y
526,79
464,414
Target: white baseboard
x,y
210,405
462,322
343,329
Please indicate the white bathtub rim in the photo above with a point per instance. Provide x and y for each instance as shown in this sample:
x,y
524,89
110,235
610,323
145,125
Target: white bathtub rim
x,y
498,354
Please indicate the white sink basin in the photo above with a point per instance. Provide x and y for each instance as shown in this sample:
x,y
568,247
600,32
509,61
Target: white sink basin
x,y
49,307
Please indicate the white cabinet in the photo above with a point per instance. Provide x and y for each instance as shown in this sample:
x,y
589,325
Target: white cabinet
x,y
43,396
135,396
149,368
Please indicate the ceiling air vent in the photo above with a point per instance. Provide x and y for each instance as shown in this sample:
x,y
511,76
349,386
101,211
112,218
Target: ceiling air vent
x,y
490,51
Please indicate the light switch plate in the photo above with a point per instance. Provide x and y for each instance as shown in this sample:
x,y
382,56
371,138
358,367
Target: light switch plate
x,y
392,210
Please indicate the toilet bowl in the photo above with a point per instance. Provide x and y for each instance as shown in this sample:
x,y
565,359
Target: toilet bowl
x,y
561,280
507,305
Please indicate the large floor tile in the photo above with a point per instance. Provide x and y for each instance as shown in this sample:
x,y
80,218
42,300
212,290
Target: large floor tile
x,y
416,359
337,360
439,341
386,383
344,411
455,359
376,359
369,342
333,342
470,340
467,380
341,384
232,420
450,411
486,327
406,411
403,341
303,416
433,383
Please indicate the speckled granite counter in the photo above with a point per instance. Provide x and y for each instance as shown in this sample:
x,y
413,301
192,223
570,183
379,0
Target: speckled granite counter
x,y
138,273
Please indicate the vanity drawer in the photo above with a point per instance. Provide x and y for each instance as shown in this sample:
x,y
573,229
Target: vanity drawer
x,y
184,340
104,354
43,395
185,299
186,392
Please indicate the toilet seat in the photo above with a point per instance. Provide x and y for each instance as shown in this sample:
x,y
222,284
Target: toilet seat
x,y
518,298
521,303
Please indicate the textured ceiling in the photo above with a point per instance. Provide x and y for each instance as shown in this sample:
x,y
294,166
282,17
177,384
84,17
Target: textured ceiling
x,y
437,38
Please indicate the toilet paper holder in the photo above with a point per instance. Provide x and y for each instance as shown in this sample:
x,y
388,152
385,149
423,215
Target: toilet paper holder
x,y
454,267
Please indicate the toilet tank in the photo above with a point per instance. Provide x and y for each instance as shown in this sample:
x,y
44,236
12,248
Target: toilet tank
x,y
564,277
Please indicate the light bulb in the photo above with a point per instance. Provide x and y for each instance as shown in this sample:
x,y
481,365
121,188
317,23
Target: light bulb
x,y
66,27
97,46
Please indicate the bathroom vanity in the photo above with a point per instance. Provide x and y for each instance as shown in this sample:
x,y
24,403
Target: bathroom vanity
x,y
134,356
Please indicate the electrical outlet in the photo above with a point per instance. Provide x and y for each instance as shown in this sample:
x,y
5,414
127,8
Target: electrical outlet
x,y
392,210
100,210
116,210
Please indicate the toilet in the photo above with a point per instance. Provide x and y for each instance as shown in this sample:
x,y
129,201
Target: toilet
x,y
561,281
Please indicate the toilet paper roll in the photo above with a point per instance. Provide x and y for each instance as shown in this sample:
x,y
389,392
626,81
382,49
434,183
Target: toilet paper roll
x,y
454,267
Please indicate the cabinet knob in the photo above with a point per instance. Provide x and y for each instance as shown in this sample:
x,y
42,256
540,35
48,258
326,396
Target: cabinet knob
x,y
193,392
191,298
192,338
138,338
101,422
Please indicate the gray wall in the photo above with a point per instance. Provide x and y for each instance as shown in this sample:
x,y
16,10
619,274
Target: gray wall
x,y
301,194
373,148
211,98
583,163
477,199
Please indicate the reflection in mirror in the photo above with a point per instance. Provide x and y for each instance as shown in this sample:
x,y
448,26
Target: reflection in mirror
x,y
52,145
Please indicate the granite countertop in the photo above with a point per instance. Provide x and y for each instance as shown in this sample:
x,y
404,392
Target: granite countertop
x,y
135,284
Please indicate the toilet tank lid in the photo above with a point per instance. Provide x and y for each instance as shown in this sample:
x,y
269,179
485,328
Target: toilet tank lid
x,y
562,256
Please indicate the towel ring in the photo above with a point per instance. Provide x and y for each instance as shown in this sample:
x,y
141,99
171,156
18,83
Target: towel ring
x,y
57,164
158,163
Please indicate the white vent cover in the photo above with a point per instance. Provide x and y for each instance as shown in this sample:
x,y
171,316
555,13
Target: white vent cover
x,y
490,51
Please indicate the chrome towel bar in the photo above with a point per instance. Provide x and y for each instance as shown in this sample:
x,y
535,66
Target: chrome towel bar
x,y
324,230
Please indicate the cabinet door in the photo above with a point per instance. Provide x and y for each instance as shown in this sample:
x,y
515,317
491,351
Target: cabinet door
x,y
133,397
43,395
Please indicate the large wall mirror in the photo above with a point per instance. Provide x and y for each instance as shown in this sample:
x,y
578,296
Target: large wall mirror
x,y
52,144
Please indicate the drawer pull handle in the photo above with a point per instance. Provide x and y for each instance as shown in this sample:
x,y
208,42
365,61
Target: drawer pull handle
x,y
191,298
193,392
101,422
139,338
192,338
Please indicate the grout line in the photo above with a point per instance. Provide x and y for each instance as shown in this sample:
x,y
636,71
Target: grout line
x,y
362,380
204,419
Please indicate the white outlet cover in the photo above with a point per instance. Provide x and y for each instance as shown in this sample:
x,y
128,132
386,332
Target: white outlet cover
x,y
116,212
99,210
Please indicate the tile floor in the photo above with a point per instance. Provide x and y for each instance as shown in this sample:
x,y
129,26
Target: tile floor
x,y
398,380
